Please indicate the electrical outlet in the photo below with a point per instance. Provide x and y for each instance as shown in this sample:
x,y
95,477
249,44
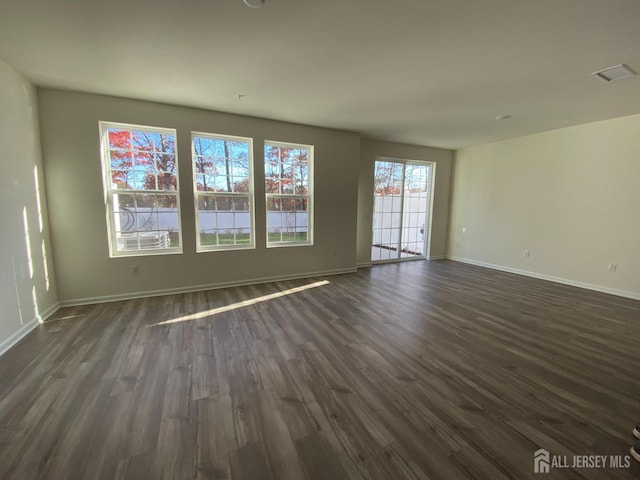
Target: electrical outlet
x,y
457,244
526,254
613,267
134,269
334,253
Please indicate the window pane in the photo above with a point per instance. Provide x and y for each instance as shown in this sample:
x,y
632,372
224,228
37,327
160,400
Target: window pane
x,y
127,241
203,164
204,183
288,204
286,186
165,162
121,160
274,221
242,219
224,203
301,189
388,178
140,141
120,179
164,143
243,236
207,215
240,203
221,183
140,160
271,169
288,180
167,181
208,238
271,155
273,204
241,185
301,236
146,215
143,161
218,146
166,201
202,146
300,165
123,201
206,202
144,180
272,185
119,138
288,218
416,179
222,166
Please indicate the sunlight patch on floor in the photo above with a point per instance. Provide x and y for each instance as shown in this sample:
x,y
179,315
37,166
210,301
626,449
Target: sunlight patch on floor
x,y
244,303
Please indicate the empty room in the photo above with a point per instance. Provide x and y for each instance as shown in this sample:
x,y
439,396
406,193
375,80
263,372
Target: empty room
x,y
295,240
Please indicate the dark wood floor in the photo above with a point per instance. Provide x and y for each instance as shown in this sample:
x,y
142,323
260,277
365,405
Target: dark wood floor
x,y
418,370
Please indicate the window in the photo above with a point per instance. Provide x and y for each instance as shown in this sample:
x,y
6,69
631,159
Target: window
x,y
223,186
288,171
140,168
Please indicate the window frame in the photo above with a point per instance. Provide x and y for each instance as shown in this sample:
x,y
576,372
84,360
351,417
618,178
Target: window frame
x,y
430,185
108,190
309,197
251,194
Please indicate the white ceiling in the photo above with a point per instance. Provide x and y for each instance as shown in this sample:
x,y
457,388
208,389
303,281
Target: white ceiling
x,y
427,72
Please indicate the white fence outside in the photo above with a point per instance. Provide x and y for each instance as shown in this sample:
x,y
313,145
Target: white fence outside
x,y
387,219
166,219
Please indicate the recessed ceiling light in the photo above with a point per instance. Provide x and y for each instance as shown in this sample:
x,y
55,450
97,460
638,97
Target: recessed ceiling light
x,y
617,72
253,3
506,116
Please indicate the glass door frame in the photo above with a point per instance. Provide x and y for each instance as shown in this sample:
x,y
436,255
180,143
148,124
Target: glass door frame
x,y
429,212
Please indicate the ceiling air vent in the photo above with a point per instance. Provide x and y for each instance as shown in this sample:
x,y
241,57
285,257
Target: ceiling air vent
x,y
615,73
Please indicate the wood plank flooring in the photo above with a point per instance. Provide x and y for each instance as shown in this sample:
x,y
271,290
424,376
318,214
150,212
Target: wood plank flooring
x,y
420,370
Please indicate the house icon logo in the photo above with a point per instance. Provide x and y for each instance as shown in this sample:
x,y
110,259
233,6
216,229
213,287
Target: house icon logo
x,y
541,461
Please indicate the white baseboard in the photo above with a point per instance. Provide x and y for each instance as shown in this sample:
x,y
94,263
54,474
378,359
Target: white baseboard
x,y
198,288
369,264
27,328
551,278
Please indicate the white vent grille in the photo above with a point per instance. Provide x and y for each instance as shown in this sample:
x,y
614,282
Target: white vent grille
x,y
614,73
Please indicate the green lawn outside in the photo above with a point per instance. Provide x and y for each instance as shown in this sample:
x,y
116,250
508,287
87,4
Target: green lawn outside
x,y
174,240
209,239
288,237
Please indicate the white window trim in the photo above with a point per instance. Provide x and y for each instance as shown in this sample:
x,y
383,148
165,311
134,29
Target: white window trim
x,y
309,196
252,238
108,191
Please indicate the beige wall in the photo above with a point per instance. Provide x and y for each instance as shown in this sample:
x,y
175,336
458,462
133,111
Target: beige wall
x,y
69,124
571,197
23,297
372,149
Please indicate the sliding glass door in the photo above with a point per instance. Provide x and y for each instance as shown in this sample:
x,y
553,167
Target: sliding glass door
x,y
401,210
